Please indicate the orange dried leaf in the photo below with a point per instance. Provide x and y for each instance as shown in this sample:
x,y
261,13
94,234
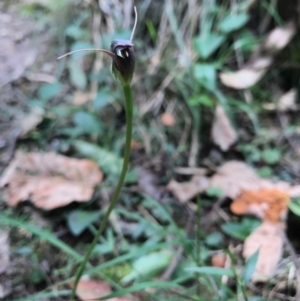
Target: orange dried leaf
x,y
218,260
135,145
267,204
268,239
49,180
168,119
88,289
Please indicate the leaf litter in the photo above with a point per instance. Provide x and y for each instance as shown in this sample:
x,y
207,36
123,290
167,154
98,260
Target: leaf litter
x,y
258,65
89,289
231,179
223,133
252,195
49,180
268,239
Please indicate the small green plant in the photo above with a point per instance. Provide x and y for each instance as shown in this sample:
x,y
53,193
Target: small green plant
x,y
123,55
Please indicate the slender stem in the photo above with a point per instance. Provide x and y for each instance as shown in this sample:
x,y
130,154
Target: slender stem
x,y
198,242
129,112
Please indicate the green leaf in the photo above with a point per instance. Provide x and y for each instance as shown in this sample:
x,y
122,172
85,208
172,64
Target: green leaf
x,y
241,230
265,171
271,156
148,266
141,286
77,76
206,75
250,267
214,239
103,98
203,99
48,91
206,45
79,220
109,162
75,32
214,192
233,22
214,271
88,123
294,207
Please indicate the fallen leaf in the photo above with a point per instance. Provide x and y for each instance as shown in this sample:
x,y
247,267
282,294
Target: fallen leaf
x,y
17,52
167,119
88,289
49,180
135,145
268,239
235,176
80,98
4,251
218,260
149,183
223,134
30,121
279,37
242,79
267,204
187,190
287,101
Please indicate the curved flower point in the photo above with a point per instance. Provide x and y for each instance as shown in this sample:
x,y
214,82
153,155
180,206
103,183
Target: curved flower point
x,y
122,53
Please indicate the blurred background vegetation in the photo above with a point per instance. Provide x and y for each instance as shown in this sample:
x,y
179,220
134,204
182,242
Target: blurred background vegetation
x,y
202,66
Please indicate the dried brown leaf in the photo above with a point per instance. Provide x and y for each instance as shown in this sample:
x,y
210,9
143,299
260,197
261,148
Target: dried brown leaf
x,y
235,176
167,119
30,121
88,289
219,260
279,37
268,239
242,79
248,76
287,101
80,98
16,51
187,190
49,180
148,182
223,134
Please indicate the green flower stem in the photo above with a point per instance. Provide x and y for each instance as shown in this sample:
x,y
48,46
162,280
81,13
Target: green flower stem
x,y
129,113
